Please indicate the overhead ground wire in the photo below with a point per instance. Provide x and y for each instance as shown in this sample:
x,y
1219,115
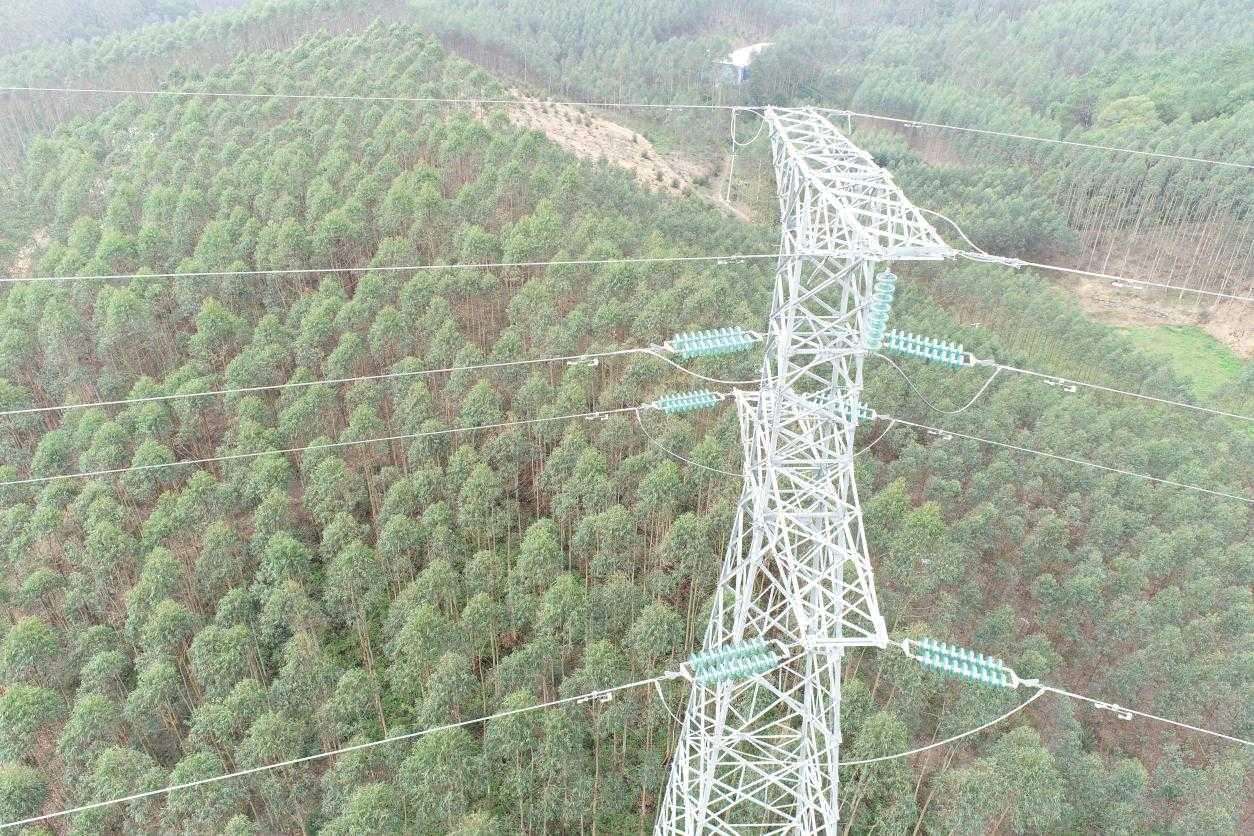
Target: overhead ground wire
x,y
366,268
485,100
980,255
89,474
1071,460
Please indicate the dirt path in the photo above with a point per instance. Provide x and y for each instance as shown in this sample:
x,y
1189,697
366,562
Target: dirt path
x,y
724,192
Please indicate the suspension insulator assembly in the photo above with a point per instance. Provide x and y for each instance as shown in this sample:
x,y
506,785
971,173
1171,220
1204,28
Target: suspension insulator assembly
x,y
741,660
880,305
678,402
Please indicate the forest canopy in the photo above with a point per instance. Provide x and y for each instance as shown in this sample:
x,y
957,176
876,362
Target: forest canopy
x,y
1170,77
31,23
171,623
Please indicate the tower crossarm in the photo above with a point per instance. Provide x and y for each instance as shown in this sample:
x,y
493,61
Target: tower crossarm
x,y
867,214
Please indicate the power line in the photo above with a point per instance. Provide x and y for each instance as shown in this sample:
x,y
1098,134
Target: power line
x,y
658,444
324,446
600,695
1070,142
976,255
476,101
574,358
345,97
1057,380
575,262
1013,682
1127,713
594,414
405,437
334,381
604,694
924,398
699,376
1058,268
981,255
892,422
1054,380
948,740
1070,460
652,351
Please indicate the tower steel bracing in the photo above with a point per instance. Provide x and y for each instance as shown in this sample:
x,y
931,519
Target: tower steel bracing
x,y
761,755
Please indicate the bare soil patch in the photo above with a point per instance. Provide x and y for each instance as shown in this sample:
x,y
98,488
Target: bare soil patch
x,y
22,263
1232,323
1171,256
589,136
1229,322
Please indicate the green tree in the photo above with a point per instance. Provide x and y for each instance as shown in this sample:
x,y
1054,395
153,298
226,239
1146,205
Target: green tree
x,y
374,808
540,556
331,489
220,657
413,653
22,791
655,635
29,651
28,718
209,806
287,794
880,795
355,593
352,708
443,779
1016,787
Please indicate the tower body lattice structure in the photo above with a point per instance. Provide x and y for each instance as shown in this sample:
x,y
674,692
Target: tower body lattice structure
x,y
760,755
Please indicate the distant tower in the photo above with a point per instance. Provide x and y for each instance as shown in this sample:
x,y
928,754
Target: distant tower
x,y
761,755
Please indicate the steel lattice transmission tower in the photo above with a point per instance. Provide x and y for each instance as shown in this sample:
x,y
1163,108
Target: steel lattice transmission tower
x,y
760,755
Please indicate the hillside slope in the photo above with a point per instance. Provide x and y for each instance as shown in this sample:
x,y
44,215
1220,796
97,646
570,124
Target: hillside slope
x,y
31,23
175,623
1171,78
152,56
